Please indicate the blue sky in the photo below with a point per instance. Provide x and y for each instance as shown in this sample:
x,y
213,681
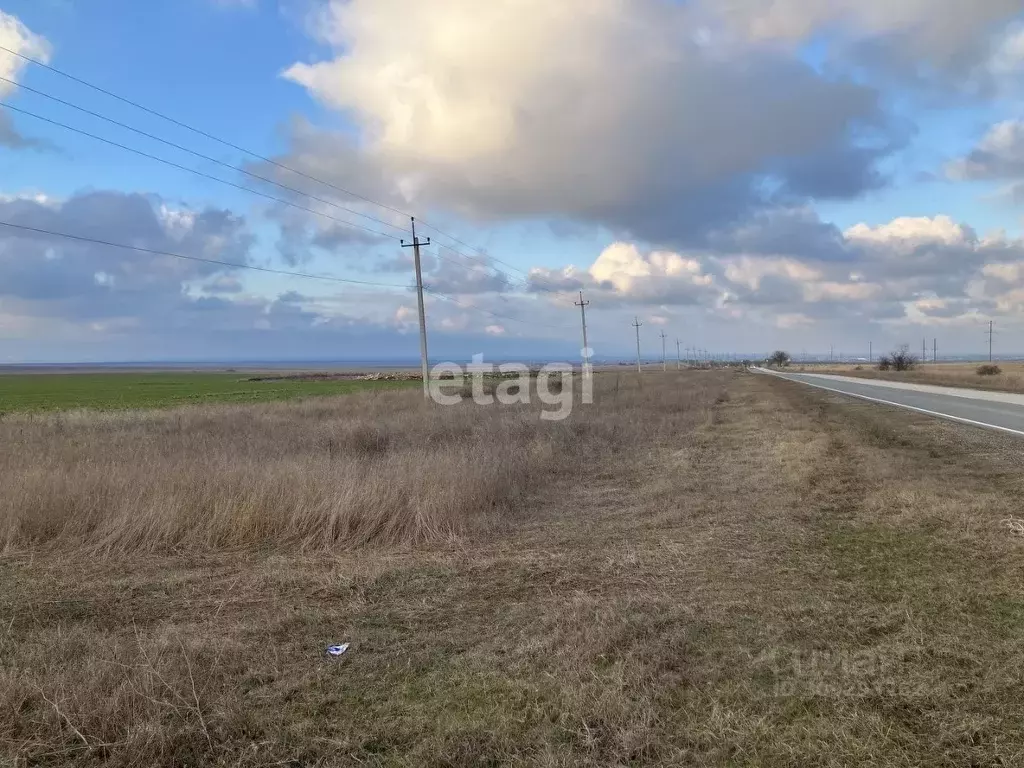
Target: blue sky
x,y
795,174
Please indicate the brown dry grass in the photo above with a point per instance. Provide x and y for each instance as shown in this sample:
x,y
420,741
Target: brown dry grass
x,y
370,468
766,575
940,374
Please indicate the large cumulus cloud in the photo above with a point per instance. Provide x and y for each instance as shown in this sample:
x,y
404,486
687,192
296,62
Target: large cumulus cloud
x,y
606,111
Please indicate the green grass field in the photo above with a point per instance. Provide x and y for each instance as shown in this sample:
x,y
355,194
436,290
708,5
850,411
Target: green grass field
x,y
43,392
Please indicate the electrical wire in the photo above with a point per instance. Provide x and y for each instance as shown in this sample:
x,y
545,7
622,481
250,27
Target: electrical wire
x,y
253,267
197,131
200,155
156,252
185,168
486,261
262,158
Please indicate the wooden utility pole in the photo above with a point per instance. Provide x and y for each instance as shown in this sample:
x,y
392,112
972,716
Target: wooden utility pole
x,y
586,347
424,364
664,364
638,325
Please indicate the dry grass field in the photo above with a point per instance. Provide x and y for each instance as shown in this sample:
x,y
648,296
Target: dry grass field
x,y
940,374
717,569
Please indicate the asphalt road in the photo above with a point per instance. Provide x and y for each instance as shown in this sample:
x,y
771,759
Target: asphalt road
x,y
993,410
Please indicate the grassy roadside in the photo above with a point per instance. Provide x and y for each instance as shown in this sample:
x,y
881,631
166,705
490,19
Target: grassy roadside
x,y
111,391
1011,379
796,579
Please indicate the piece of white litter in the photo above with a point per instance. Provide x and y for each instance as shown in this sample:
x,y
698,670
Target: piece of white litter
x,y
1015,525
338,650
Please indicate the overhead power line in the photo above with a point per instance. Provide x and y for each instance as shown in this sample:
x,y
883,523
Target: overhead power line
x,y
200,155
486,261
194,171
512,280
195,130
187,257
255,155
484,254
251,267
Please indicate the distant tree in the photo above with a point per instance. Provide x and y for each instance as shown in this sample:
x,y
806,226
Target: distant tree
x,y
900,360
779,359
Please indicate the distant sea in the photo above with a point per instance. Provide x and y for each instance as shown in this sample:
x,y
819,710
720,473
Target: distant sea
x,y
246,365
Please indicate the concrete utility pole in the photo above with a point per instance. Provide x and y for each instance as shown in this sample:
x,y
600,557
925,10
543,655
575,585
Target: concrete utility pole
x,y
991,333
924,350
935,350
679,356
871,352
415,245
831,353
664,363
638,325
586,347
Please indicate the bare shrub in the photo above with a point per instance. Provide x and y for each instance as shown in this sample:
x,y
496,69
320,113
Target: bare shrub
x,y
900,360
370,468
988,369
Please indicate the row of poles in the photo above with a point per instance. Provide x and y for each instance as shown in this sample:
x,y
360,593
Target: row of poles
x,y
693,355
924,347
702,355
416,244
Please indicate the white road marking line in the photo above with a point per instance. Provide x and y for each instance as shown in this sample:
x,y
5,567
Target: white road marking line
x,y
940,415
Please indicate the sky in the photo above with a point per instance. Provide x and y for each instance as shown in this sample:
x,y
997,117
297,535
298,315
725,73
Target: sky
x,y
739,175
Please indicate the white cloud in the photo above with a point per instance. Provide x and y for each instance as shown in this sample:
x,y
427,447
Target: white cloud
x,y
624,274
1012,273
944,34
750,271
625,267
910,271
20,39
911,232
518,108
791,320
73,279
74,296
1008,57
999,154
